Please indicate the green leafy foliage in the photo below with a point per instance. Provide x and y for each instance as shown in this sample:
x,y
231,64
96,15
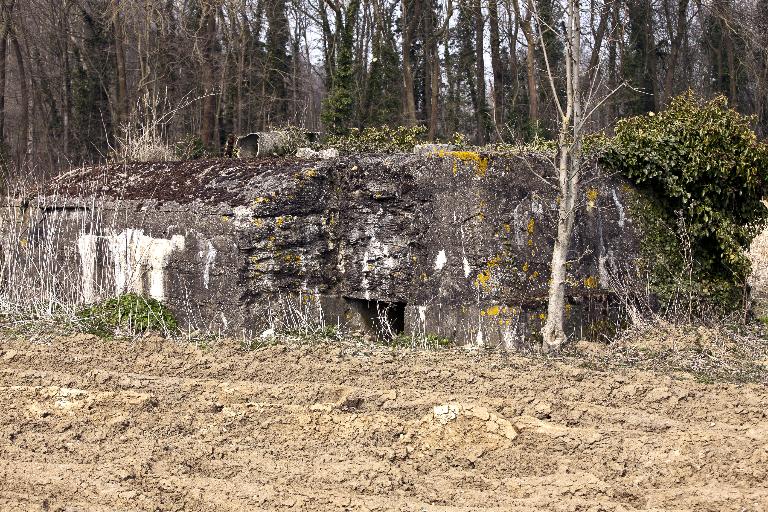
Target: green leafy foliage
x,y
701,160
668,264
190,147
378,140
128,314
427,341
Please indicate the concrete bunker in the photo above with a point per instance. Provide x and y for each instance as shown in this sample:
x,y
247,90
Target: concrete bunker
x,y
452,244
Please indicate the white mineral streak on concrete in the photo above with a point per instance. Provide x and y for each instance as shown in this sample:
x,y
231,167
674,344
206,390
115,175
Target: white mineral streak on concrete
x,y
364,283
619,207
602,271
519,226
422,314
134,254
208,256
243,216
536,207
379,251
86,246
441,260
125,249
376,255
479,340
510,336
465,261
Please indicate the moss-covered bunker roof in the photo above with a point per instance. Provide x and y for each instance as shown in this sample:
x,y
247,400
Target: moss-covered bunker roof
x,y
212,181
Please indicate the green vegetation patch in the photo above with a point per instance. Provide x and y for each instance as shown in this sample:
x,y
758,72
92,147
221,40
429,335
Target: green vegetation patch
x,y
384,139
128,314
702,172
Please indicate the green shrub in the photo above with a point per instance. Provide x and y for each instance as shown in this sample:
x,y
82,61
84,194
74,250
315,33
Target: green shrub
x,y
191,147
669,264
378,140
128,314
701,161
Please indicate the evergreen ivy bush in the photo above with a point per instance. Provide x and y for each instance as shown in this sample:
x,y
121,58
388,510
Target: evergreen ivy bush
x,y
701,161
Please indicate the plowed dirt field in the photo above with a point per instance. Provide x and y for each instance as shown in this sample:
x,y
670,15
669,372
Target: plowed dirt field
x,y
89,425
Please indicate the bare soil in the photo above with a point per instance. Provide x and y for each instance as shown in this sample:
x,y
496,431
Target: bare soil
x,y
87,425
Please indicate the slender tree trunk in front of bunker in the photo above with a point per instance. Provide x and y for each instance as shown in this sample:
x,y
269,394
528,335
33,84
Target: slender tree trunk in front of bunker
x,y
569,168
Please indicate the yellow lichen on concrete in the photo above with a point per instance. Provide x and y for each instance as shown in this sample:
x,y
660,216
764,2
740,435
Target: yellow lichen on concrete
x,y
260,200
481,164
590,282
483,278
292,258
592,194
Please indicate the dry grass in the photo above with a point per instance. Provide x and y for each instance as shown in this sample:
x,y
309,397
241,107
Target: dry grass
x,y
731,353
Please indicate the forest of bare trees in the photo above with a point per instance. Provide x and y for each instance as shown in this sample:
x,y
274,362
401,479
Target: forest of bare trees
x,y
77,76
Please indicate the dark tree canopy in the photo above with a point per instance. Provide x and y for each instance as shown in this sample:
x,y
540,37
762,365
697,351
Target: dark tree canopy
x,y
81,79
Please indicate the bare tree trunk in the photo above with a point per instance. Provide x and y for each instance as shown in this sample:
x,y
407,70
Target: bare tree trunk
x,y
122,82
480,73
514,30
674,52
569,168
530,63
3,61
433,40
594,58
731,63
67,72
24,88
6,8
435,93
208,124
242,40
410,99
496,67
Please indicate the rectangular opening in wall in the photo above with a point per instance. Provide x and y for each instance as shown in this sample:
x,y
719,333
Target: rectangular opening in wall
x,y
382,319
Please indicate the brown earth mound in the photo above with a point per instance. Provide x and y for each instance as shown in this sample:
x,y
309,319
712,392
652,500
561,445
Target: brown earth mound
x,y
159,425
